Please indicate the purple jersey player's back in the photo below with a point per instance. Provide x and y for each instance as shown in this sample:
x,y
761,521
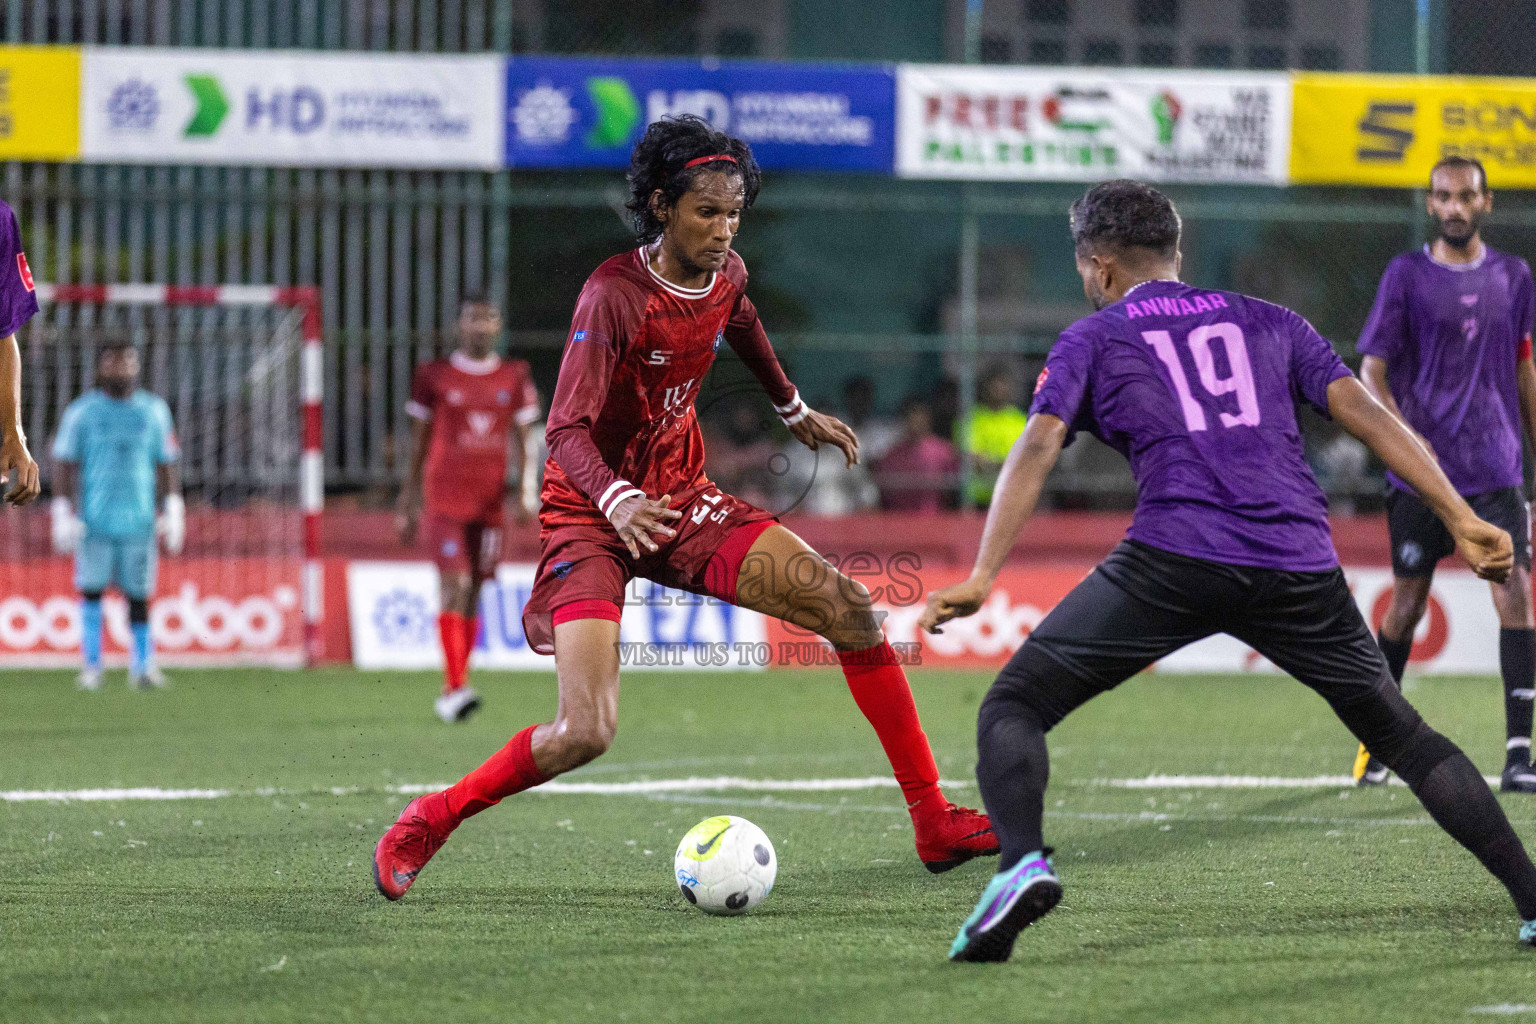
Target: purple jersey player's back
x,y
1198,390
1451,336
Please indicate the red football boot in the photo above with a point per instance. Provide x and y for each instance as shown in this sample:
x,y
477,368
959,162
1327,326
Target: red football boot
x,y
948,836
404,850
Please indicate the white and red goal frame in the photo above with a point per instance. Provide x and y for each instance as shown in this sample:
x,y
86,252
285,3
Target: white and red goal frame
x,y
304,299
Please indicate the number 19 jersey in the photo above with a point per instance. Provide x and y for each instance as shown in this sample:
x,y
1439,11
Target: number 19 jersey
x,y
1198,390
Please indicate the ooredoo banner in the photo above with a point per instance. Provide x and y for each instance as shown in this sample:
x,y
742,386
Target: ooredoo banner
x,y
215,611
393,610
291,107
1079,124
564,112
1459,634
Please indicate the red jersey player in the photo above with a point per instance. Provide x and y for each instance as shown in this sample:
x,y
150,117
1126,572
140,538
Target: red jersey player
x,y
625,495
463,409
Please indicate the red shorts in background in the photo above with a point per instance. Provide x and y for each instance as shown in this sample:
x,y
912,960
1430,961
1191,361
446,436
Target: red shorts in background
x,y
588,562
473,547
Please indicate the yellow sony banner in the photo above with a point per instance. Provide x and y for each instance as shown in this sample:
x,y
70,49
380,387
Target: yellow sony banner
x,y
39,103
1390,129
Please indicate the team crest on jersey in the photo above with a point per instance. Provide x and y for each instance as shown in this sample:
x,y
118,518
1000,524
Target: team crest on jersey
x,y
562,569
503,397
719,337
481,422
455,396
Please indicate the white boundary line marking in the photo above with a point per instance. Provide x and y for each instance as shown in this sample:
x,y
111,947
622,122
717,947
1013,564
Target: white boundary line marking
x,y
1505,1009
558,787
1246,782
700,784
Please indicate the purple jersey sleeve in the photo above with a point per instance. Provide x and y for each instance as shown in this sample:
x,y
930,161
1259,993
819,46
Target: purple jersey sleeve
x,y
1314,363
1062,388
1524,310
1386,329
18,296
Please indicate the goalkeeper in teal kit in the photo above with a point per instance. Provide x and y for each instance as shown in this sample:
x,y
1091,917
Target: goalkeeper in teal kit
x,y
115,453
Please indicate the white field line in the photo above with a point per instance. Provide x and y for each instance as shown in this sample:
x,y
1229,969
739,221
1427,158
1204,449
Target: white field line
x,y
558,787
1505,1009
691,784
1246,782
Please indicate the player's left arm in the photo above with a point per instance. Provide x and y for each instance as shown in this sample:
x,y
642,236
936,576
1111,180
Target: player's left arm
x,y
16,463
1525,379
527,442
745,333
1029,462
1485,547
172,522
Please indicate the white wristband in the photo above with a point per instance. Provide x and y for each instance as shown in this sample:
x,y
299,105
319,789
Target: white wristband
x,y
175,505
793,412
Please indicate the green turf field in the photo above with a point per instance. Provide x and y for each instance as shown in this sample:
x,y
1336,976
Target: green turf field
x,y
1181,904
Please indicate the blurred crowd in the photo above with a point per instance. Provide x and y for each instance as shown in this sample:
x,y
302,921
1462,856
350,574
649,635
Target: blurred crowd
x,y
910,461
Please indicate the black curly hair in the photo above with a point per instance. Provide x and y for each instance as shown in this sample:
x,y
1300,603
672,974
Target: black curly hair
x,y
660,162
1126,214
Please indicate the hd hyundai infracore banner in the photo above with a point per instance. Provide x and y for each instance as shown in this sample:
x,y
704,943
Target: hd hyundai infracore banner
x,y
573,112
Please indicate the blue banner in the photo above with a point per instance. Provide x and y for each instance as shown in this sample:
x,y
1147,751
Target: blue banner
x,y
589,112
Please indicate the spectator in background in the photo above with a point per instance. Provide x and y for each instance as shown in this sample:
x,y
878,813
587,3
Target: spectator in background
x,y
876,433
944,406
740,453
995,423
921,467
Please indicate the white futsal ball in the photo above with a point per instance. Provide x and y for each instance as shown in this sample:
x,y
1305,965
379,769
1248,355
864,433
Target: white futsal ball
x,y
725,865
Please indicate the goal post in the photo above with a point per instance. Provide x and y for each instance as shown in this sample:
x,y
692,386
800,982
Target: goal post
x,y
241,367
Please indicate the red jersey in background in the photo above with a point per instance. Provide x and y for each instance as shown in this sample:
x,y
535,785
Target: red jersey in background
x,y
622,421
471,405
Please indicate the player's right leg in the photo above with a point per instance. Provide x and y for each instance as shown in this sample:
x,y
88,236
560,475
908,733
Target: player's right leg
x,y
1137,607
1419,540
587,666
93,571
137,571
1311,627
1508,510
454,556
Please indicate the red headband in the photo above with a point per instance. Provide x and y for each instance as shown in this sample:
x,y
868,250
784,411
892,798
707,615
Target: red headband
x,y
709,160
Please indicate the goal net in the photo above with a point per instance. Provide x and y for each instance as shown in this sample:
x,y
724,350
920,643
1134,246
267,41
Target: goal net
x,y
239,367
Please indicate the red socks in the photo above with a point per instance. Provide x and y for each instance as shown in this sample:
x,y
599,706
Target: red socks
x,y
880,689
458,635
509,770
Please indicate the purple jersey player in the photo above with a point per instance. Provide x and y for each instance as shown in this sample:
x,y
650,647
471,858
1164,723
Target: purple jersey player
x,y
1448,347
1197,388
18,303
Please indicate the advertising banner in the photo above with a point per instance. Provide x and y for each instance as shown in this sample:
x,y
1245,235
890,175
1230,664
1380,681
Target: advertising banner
x,y
393,608
1082,124
39,103
565,112
1459,633
1391,129
216,611
291,108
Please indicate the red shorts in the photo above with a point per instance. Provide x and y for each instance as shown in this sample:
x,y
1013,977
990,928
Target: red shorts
x,y
584,562
473,547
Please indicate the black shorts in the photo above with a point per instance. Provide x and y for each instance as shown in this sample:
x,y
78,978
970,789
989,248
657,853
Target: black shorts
x,y
1420,539
1142,604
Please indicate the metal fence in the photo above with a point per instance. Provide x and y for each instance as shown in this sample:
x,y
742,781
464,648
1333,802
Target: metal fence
x,y
909,282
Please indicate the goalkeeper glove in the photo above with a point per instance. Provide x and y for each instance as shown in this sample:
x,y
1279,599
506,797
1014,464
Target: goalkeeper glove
x,y
67,527
172,524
